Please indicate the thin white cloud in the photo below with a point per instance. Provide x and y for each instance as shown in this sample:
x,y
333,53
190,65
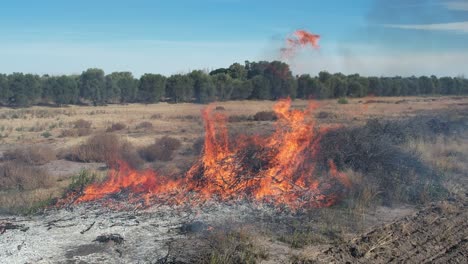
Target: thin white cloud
x,y
457,5
458,27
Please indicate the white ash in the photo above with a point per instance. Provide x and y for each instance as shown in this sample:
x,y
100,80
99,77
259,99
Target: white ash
x,y
68,236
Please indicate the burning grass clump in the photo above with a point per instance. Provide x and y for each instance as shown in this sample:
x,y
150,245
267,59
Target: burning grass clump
x,y
33,155
162,149
107,148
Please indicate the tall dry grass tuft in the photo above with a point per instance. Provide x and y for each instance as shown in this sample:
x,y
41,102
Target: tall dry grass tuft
x,y
104,147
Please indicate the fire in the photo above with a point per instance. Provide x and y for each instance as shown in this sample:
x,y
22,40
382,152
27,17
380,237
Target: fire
x,y
299,39
278,169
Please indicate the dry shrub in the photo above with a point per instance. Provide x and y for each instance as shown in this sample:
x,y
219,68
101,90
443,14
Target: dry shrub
x,y
144,125
220,108
21,176
107,148
226,245
162,149
116,127
324,115
265,116
77,132
81,123
33,155
375,151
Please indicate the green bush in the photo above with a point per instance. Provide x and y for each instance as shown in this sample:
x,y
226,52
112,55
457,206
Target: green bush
x,y
342,100
81,180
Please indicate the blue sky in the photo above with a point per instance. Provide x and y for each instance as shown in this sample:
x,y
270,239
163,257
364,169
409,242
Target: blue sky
x,y
370,37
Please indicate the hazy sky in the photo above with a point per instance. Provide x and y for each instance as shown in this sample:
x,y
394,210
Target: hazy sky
x,y
370,37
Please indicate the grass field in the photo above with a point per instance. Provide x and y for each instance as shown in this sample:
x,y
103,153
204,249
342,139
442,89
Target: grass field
x,y
141,125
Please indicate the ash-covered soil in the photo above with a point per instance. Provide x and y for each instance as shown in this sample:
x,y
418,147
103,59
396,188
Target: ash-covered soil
x,y
92,233
436,234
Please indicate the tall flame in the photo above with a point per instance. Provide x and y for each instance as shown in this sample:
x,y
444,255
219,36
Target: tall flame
x,y
278,169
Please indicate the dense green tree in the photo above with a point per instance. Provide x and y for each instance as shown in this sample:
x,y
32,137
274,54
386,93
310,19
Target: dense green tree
x,y
241,89
260,88
324,77
261,80
237,71
5,92
152,88
112,93
179,88
128,87
25,89
426,84
63,90
92,86
281,80
224,87
218,71
375,86
120,87
436,83
203,87
256,68
308,87
337,86
447,85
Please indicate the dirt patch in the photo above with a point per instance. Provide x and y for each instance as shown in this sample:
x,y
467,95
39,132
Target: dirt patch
x,y
437,234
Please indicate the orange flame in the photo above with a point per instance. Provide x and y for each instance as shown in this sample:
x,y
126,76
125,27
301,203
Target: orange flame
x,y
299,39
278,169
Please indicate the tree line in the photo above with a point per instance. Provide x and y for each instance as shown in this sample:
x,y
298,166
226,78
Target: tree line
x,y
261,80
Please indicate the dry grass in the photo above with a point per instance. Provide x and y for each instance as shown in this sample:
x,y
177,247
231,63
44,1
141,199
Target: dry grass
x,y
32,155
166,117
16,175
448,155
